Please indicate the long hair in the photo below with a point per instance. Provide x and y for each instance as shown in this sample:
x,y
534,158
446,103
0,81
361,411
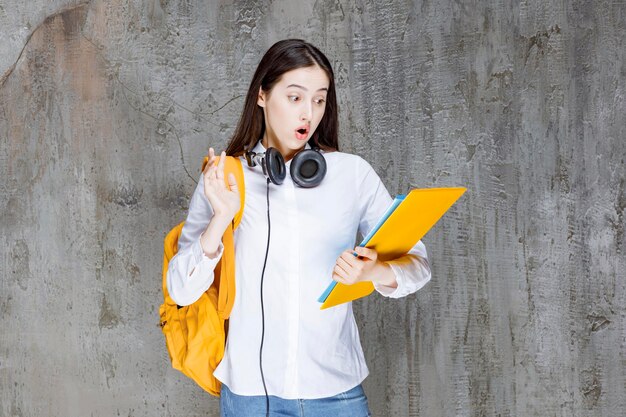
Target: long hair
x,y
283,56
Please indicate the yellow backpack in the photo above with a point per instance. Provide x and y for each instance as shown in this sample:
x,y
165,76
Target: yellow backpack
x,y
195,335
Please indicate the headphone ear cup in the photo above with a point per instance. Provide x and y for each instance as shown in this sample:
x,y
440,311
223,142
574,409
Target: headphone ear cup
x,y
308,168
275,166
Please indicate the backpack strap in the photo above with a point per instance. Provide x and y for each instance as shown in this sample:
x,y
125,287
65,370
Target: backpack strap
x,y
225,271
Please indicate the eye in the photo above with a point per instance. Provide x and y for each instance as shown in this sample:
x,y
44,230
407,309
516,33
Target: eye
x,y
290,97
321,101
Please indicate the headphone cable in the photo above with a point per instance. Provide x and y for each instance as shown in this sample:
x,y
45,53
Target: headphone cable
x,y
267,399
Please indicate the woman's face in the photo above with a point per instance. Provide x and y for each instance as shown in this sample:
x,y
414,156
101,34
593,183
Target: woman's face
x,y
296,101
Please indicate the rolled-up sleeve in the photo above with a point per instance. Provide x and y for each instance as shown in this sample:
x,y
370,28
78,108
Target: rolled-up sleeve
x,y
190,271
412,270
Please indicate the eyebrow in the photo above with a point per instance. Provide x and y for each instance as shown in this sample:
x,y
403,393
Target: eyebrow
x,y
299,86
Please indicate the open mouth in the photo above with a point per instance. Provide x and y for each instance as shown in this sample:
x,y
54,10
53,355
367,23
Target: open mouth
x,y
302,133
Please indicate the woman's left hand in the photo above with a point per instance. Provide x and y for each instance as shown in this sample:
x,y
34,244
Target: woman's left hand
x,y
350,269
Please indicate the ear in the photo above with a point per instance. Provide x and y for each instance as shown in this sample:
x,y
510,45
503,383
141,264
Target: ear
x,y
261,98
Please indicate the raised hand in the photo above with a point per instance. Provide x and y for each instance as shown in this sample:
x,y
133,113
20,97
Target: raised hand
x,y
224,199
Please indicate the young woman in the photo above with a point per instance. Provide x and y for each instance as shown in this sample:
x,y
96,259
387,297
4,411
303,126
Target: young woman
x,y
284,356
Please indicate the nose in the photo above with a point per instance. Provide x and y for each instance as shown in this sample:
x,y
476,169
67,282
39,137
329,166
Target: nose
x,y
307,113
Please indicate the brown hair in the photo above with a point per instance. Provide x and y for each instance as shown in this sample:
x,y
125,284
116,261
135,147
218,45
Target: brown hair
x,y
283,56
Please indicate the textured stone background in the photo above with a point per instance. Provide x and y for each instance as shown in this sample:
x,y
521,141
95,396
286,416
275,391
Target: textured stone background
x,y
107,107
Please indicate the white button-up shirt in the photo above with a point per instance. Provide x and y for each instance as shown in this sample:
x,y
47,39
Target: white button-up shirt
x,y
307,352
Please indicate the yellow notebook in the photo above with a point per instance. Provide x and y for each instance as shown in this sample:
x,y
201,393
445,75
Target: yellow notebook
x,y
407,220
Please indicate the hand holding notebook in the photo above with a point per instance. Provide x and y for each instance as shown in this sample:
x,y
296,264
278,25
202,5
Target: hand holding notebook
x,y
405,222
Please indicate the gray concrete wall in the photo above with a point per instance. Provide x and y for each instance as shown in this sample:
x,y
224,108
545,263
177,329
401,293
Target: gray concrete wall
x,y
107,107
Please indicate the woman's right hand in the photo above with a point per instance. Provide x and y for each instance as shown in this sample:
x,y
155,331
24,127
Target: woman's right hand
x,y
224,201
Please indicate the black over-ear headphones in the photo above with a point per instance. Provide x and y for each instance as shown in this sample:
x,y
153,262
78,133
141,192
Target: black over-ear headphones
x,y
307,169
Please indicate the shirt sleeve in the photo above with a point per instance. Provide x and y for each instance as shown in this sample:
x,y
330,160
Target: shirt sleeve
x,y
190,271
412,270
